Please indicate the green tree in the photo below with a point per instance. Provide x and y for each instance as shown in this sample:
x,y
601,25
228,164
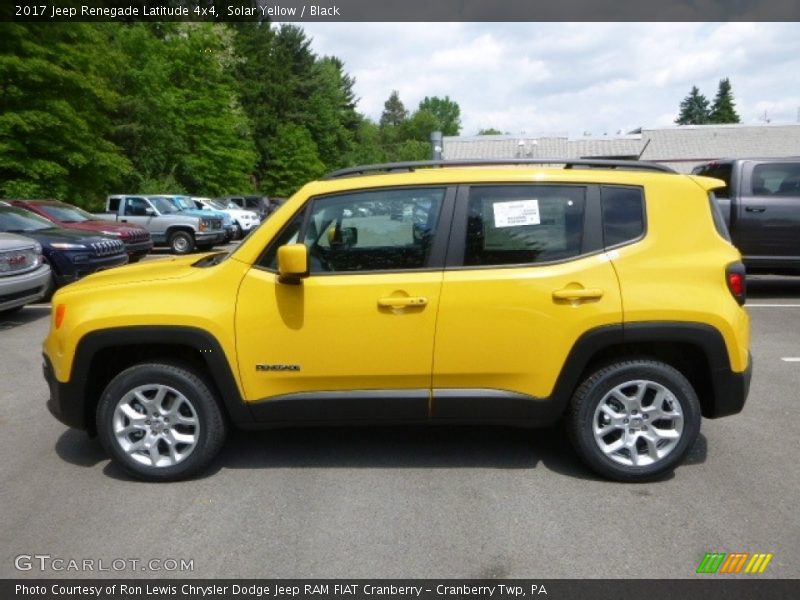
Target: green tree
x,y
295,160
490,131
179,118
447,113
722,109
394,112
55,101
693,109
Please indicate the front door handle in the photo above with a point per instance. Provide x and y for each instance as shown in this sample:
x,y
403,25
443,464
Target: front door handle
x,y
756,209
578,294
402,301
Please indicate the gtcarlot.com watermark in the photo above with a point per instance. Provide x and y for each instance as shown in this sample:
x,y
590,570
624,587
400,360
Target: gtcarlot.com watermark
x,y
57,564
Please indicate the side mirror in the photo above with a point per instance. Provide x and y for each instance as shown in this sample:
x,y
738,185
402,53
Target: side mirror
x,y
292,263
346,237
149,211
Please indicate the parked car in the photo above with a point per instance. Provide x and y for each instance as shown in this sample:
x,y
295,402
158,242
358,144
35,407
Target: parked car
x,y
71,254
761,206
244,220
24,276
258,204
186,205
166,224
603,293
137,239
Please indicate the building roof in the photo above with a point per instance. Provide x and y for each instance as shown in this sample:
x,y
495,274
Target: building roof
x,y
680,146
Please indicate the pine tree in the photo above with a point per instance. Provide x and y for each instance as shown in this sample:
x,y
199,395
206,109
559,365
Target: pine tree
x,y
394,113
722,110
694,109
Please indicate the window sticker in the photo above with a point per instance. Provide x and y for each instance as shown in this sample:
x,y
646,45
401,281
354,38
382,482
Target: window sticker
x,y
516,213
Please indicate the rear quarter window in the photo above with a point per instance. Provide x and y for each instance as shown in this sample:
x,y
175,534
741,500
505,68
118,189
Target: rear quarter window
x,y
623,214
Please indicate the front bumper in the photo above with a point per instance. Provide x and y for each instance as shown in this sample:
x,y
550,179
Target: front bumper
x,y
138,249
210,237
65,403
18,290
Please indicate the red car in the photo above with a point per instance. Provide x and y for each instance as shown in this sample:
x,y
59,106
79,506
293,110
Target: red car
x,y
137,239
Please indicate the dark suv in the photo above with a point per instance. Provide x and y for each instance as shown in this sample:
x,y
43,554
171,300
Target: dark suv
x,y
137,239
71,254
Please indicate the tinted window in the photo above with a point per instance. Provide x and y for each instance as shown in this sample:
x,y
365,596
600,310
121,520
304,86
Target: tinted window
x,y
523,224
782,179
623,214
377,230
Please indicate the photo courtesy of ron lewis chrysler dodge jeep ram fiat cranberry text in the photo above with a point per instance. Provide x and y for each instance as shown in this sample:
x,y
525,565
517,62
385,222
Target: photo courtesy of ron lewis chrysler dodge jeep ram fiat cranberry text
x,y
602,293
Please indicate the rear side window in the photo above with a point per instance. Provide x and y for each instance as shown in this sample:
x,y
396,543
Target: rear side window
x,y
623,214
509,225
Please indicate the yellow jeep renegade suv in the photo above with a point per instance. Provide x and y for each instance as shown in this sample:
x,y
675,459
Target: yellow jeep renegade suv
x,y
602,292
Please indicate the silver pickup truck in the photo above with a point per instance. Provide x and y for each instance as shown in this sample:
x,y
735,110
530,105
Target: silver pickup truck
x,y
166,224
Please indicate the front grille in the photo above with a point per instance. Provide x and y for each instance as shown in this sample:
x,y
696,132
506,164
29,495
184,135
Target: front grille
x,y
18,261
138,236
108,248
19,295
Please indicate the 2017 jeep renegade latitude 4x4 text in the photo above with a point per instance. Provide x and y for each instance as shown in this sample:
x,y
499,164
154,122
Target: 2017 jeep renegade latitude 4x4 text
x,y
602,292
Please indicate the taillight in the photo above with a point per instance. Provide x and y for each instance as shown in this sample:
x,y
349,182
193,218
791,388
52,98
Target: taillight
x,y
737,281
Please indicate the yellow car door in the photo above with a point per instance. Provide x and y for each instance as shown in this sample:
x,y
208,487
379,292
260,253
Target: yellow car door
x,y
525,279
354,339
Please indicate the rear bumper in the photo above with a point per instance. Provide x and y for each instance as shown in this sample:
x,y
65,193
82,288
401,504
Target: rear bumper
x,y
731,390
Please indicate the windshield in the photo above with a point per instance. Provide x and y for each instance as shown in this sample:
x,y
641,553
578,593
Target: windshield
x,y
182,202
66,213
219,205
16,220
164,205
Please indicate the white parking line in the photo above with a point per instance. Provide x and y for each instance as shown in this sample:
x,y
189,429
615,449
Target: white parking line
x,y
791,359
748,305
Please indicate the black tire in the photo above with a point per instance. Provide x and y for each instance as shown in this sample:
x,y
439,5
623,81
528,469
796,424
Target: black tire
x,y
184,422
181,242
642,440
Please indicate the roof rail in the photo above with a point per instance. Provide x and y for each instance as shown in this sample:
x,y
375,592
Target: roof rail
x,y
569,163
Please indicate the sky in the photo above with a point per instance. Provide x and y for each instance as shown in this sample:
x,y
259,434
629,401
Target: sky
x,y
569,78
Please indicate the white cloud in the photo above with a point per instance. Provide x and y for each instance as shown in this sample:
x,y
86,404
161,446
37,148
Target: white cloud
x,y
568,77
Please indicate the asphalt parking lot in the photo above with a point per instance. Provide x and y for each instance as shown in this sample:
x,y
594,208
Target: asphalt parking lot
x,y
406,502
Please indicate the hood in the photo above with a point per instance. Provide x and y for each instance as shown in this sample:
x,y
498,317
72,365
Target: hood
x,y
126,231
53,235
151,270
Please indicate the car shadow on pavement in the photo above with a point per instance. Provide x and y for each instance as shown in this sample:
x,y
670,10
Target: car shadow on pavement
x,y
397,447
28,314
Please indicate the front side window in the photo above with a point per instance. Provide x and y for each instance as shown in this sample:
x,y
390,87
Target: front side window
x,y
780,179
508,225
376,230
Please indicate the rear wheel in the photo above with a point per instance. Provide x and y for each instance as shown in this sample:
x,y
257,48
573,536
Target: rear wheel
x,y
160,422
181,242
634,420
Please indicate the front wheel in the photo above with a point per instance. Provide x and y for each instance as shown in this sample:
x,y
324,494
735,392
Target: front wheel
x,y
160,422
634,420
181,242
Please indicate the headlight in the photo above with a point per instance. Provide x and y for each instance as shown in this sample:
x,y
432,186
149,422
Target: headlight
x,y
66,246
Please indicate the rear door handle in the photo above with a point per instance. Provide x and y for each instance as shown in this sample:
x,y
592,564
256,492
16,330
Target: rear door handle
x,y
402,301
578,294
757,209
